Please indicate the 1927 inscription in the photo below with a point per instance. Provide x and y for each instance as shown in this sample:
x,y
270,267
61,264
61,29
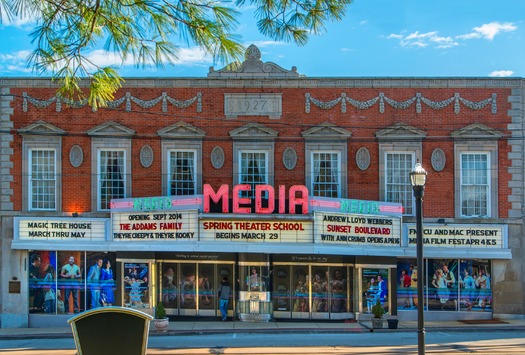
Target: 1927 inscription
x,y
253,105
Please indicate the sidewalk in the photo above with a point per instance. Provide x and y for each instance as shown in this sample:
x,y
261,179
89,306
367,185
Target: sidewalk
x,y
190,327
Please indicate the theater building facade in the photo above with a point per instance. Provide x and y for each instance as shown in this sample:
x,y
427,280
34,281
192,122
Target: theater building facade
x,y
295,188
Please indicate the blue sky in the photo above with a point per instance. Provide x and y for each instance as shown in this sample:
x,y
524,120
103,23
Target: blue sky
x,y
377,38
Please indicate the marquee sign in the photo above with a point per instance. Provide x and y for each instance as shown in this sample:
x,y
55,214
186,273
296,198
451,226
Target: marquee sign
x,y
60,229
272,231
459,236
276,200
155,226
335,228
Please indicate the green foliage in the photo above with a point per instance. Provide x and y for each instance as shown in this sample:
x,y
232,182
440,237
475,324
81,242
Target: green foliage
x,y
377,310
160,312
149,32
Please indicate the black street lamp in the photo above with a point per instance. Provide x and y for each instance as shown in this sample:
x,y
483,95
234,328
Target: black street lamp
x,y
418,177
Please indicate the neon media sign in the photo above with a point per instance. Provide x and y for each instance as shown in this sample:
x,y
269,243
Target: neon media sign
x,y
295,200
297,196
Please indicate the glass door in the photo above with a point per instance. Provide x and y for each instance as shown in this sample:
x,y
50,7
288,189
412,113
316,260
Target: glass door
x,y
282,303
206,286
300,292
169,290
188,289
226,270
338,283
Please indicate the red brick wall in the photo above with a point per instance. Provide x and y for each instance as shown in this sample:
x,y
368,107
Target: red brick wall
x,y
438,124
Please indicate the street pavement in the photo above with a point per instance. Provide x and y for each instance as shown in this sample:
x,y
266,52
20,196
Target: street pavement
x,y
208,337
189,327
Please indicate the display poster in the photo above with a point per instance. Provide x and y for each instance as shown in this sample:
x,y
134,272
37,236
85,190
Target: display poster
x,y
459,236
173,225
349,229
136,285
256,231
61,229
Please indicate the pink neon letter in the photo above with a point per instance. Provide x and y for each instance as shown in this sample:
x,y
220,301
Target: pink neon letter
x,y
303,200
259,189
209,193
241,200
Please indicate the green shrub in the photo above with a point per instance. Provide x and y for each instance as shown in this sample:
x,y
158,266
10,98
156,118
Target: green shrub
x,y
160,312
378,310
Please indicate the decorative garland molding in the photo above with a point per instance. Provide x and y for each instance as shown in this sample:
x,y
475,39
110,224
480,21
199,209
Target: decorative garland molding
x,y
419,99
128,98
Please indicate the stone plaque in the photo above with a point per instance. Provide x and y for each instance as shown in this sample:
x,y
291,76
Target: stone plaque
x,y
146,156
76,156
438,159
253,105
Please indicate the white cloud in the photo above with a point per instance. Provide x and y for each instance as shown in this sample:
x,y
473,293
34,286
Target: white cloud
x,y
15,62
395,36
185,56
417,35
489,30
17,21
423,40
263,44
16,56
501,73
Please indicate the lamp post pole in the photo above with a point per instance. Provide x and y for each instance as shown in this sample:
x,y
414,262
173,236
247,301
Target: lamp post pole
x,y
418,194
418,178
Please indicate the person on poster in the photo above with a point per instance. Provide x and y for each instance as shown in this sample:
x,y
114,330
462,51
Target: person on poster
x,y
71,275
254,281
468,288
382,287
483,283
372,294
35,291
224,297
206,290
405,282
319,291
188,289
107,297
135,293
49,289
300,292
450,280
440,283
413,285
93,280
169,289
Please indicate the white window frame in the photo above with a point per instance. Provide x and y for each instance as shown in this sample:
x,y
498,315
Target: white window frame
x,y
313,169
99,176
109,144
259,147
477,139
33,143
193,173
400,138
487,187
169,145
409,202
241,173
31,179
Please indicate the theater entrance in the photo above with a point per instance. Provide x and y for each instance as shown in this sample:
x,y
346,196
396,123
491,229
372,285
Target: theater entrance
x,y
190,288
312,291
